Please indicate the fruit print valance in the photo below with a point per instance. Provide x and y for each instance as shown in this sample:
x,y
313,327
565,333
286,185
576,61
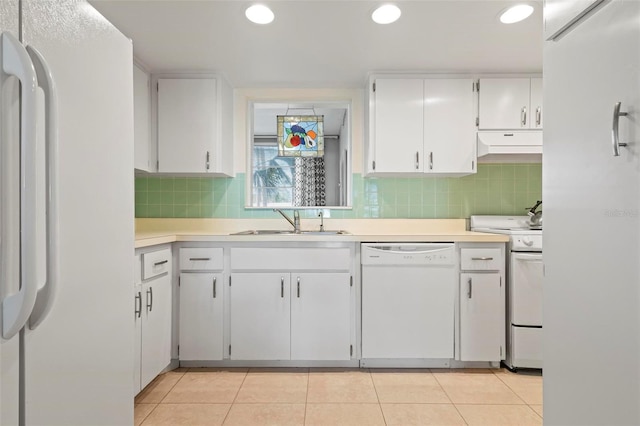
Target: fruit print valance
x,y
301,135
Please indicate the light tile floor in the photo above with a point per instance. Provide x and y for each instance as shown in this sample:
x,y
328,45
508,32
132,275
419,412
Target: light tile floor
x,y
319,396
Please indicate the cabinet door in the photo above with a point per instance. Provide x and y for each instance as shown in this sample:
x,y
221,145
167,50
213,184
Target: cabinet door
x,y
320,316
260,316
449,126
398,125
137,336
156,327
535,105
141,119
187,124
201,309
482,320
504,103
408,312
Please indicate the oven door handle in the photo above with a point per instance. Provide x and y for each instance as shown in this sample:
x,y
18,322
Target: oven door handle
x,y
527,257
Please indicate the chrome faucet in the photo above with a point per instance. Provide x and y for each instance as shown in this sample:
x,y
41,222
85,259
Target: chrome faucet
x,y
296,219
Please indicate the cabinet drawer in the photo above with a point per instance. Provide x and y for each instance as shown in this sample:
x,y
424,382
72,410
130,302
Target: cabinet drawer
x,y
291,259
481,259
203,258
156,263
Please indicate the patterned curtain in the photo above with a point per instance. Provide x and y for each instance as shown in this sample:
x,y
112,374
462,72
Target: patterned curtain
x,y
309,187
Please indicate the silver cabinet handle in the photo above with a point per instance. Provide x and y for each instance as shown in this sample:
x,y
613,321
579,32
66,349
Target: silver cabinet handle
x,y
482,258
162,262
523,116
282,287
150,299
538,116
208,158
215,279
138,311
615,138
431,161
470,289
417,160
200,258
298,287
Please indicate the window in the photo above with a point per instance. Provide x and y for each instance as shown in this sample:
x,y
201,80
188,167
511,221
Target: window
x,y
273,176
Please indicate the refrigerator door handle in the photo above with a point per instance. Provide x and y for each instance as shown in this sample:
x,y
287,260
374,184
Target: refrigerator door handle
x,y
17,307
46,293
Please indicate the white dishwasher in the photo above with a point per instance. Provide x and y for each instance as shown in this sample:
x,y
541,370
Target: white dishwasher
x,y
408,299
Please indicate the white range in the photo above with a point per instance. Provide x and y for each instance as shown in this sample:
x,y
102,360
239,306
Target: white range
x,y
524,287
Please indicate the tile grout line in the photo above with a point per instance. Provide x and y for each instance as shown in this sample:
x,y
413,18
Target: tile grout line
x,y
306,397
512,390
145,417
174,385
375,389
158,403
236,395
448,397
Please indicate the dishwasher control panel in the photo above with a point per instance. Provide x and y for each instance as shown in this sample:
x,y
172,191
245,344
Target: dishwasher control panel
x,y
408,254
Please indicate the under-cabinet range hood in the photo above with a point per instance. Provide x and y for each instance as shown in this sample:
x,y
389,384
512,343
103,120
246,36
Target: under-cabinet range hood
x,y
510,146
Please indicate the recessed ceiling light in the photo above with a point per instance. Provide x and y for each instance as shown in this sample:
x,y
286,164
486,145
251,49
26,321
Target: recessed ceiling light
x,y
259,14
386,14
516,13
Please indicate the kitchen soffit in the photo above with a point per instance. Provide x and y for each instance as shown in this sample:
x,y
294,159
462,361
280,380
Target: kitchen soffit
x,y
326,43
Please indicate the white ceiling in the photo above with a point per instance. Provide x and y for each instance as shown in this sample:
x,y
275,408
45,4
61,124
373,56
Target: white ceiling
x,y
326,43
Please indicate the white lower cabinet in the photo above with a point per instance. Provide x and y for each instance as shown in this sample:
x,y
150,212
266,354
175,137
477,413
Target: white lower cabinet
x,y
260,316
320,316
291,303
201,314
482,303
290,316
156,328
137,323
481,321
152,313
201,309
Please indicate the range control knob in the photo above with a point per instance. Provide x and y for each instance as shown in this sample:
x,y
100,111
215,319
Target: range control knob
x,y
527,241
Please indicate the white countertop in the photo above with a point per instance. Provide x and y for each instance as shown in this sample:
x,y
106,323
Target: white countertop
x,y
150,232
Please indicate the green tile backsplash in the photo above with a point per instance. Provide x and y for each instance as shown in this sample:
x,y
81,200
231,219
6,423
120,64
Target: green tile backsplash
x,y
495,189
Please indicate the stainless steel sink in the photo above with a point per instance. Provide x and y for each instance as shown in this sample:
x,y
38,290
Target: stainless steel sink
x,y
281,232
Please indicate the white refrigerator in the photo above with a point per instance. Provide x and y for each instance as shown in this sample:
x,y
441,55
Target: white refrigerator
x,y
592,216
66,216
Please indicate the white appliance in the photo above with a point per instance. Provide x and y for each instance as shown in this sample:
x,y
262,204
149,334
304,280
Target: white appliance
x,y
66,223
524,287
408,298
591,187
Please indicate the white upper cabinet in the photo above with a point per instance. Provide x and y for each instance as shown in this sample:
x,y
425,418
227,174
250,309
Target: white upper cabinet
x,y
535,104
194,125
510,103
561,15
449,128
398,125
421,126
142,120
